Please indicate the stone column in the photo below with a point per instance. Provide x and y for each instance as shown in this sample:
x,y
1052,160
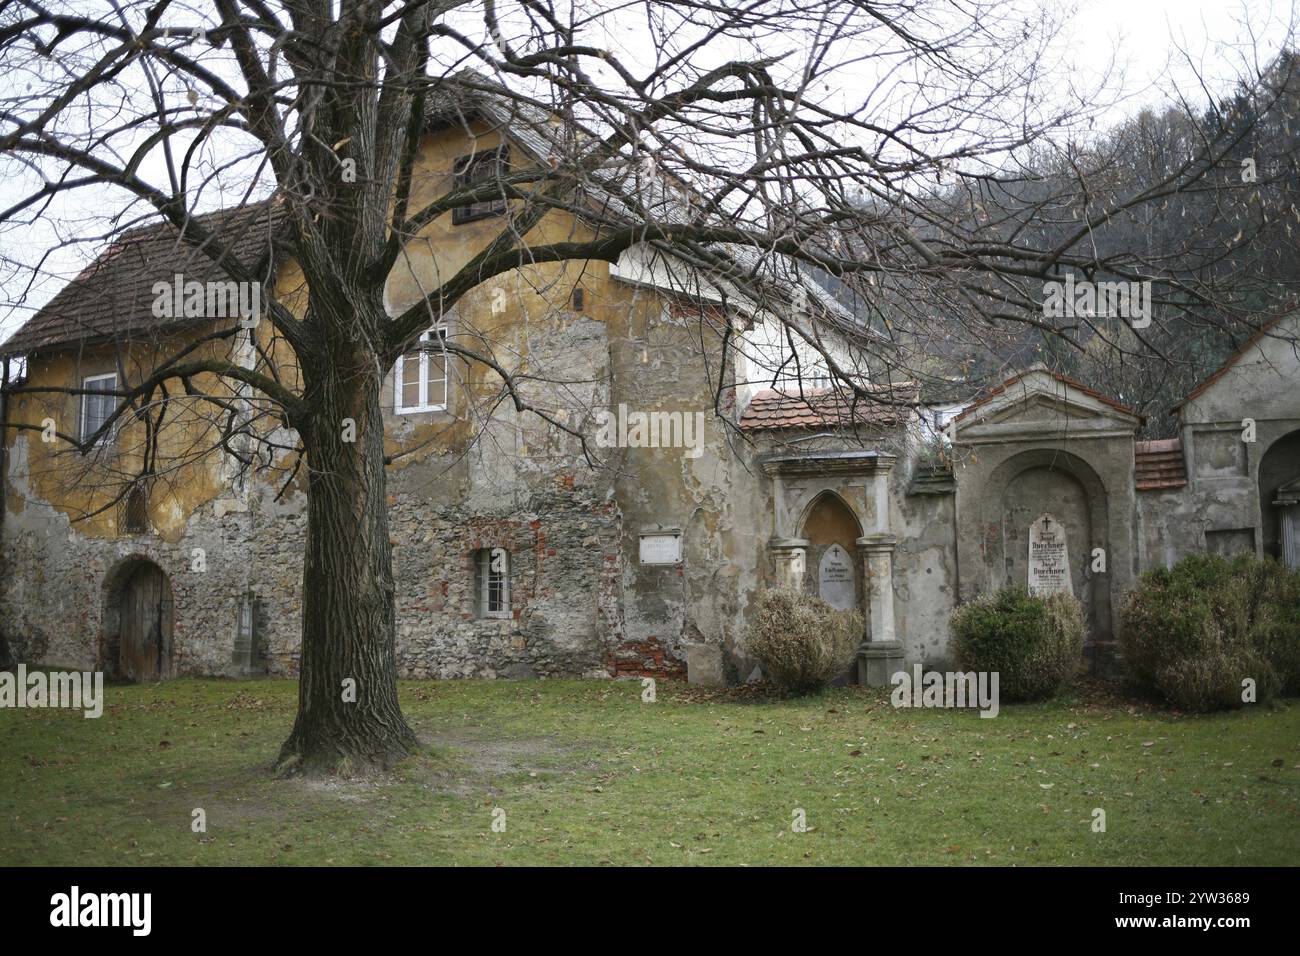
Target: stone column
x,y
881,655
1289,533
789,556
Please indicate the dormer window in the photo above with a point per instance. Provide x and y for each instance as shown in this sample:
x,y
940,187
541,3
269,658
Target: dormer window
x,y
474,170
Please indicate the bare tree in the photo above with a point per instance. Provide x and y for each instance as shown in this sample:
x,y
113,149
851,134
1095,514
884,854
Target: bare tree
x,y
776,150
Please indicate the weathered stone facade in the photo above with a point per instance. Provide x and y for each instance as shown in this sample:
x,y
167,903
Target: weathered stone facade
x,y
581,601
642,559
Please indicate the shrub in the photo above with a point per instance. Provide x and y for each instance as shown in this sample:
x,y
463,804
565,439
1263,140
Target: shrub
x,y
1192,633
801,641
1034,643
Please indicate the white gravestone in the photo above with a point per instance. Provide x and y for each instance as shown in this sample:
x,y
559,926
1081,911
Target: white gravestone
x,y
1049,558
835,579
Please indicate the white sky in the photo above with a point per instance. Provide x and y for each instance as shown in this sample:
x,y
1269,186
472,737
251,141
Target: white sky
x,y
1148,49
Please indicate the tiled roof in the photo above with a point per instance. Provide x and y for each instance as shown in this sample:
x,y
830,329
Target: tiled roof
x,y
617,192
826,407
1159,464
1063,379
113,297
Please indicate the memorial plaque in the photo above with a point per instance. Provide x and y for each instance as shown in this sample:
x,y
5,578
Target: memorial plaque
x,y
835,579
1049,558
661,548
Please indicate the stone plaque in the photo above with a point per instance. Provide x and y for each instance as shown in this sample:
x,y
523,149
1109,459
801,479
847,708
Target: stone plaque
x,y
835,579
661,548
1049,558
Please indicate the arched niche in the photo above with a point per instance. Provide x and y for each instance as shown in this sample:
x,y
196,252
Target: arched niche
x,y
1049,481
1279,468
832,529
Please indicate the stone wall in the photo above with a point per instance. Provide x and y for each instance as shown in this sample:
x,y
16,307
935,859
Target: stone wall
x,y
925,562
582,603
56,597
566,586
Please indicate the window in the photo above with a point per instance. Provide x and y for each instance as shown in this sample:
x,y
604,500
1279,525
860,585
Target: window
x,y
135,512
420,376
579,300
493,582
96,409
479,168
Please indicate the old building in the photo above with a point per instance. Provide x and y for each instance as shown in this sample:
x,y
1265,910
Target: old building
x,y
516,551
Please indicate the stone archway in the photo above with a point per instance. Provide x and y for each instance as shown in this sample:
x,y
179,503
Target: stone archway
x,y
138,620
1051,482
1279,470
824,493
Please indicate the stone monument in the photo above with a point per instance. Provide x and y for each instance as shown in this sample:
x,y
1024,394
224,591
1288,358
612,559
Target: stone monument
x,y
1049,557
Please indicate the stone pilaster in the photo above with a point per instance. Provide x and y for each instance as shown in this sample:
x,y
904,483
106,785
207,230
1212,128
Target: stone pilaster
x,y
881,654
789,555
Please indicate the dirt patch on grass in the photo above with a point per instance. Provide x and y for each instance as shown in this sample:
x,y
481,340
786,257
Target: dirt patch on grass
x,y
461,764
469,762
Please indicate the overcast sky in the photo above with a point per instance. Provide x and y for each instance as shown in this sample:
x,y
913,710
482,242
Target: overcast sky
x,y
1147,47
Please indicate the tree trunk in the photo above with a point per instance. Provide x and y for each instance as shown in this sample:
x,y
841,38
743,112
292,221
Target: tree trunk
x,y
349,719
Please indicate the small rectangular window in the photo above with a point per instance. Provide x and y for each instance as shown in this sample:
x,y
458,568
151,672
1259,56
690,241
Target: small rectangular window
x,y
578,299
420,376
135,511
493,582
475,169
97,409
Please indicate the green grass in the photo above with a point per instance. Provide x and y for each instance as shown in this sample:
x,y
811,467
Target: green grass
x,y
586,773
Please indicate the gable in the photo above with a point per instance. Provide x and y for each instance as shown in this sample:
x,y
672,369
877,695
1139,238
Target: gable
x,y
1257,381
1043,404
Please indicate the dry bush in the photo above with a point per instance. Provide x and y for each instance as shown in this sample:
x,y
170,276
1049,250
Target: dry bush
x,y
801,641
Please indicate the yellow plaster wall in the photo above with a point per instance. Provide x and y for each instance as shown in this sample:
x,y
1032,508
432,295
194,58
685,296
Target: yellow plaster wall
x,y
534,301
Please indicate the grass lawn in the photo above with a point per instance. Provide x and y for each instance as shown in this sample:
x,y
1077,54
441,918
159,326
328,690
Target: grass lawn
x,y
586,773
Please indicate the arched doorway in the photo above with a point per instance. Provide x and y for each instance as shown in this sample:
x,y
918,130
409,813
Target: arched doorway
x,y
138,620
1279,471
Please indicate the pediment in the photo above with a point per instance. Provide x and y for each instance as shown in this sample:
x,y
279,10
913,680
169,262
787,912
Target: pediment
x,y
1042,407
1038,404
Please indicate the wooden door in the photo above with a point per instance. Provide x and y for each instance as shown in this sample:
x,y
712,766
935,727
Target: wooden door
x,y
146,625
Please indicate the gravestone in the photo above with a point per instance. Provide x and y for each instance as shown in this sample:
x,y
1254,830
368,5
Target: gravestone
x,y
1049,558
835,579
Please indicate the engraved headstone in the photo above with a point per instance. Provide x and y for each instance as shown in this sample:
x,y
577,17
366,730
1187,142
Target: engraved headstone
x,y
1049,558
835,579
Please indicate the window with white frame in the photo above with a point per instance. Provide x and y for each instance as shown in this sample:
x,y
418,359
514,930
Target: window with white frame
x,y
493,582
97,409
420,376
